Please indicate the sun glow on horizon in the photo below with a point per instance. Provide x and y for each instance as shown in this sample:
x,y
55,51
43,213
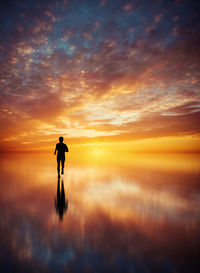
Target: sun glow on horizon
x,y
100,84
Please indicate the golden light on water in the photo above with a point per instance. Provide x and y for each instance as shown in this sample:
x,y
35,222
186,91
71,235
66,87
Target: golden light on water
x,y
150,196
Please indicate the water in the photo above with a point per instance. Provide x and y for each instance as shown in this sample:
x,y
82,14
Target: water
x,y
136,213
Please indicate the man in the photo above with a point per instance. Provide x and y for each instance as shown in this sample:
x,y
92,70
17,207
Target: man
x,y
61,148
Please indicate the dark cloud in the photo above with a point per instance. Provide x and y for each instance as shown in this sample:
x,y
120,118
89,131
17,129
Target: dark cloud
x,y
57,58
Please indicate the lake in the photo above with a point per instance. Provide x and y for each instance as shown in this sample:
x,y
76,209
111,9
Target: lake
x,y
134,213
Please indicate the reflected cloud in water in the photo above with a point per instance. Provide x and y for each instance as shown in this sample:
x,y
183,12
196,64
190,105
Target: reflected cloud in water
x,y
122,218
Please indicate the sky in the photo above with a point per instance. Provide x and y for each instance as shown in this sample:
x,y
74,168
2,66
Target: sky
x,y
99,71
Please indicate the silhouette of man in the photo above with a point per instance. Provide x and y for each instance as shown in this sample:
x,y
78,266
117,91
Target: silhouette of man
x,y
60,204
61,148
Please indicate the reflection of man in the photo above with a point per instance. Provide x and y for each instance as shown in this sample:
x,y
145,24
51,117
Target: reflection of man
x,y
61,148
60,204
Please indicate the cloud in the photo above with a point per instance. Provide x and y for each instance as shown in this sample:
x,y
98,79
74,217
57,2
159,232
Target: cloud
x,y
105,74
158,17
128,7
87,36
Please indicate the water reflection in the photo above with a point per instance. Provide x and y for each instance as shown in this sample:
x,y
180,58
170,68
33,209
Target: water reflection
x,y
61,204
134,217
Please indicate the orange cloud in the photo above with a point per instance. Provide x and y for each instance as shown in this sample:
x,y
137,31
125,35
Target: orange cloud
x,y
101,81
128,7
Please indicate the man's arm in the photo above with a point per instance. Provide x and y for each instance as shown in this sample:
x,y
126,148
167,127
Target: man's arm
x,y
55,149
66,149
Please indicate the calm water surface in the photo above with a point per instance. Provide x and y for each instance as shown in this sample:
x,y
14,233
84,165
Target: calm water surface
x,y
131,214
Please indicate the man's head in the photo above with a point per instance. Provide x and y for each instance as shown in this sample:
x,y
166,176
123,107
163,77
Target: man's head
x,y
61,139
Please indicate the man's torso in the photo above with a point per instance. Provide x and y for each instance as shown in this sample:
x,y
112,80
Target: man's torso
x,y
61,148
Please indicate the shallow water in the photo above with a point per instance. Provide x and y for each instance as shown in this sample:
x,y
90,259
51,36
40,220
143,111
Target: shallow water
x,y
139,213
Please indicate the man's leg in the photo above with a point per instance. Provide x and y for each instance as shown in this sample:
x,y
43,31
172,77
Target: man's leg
x,y
58,166
63,163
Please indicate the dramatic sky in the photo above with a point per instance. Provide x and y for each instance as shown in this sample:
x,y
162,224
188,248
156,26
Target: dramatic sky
x,y
98,71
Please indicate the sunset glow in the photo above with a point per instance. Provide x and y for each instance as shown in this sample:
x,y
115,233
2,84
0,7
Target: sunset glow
x,y
100,72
